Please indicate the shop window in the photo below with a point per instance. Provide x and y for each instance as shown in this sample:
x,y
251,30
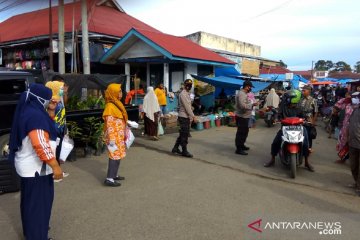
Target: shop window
x,y
205,70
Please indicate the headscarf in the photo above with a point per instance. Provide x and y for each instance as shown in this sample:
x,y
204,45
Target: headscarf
x,y
113,106
272,99
151,104
30,114
56,88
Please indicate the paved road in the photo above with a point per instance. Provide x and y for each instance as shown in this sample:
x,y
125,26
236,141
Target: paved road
x,y
215,195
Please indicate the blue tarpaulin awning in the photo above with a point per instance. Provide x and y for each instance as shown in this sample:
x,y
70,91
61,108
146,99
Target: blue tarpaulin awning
x,y
231,83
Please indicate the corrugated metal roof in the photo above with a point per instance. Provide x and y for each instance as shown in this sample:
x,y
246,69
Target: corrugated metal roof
x,y
172,47
101,19
182,47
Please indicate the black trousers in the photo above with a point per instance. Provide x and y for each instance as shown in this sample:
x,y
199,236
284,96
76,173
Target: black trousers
x,y
276,144
242,132
308,128
37,195
184,132
354,155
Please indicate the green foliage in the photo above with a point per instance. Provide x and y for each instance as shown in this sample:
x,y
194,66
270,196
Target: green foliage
x,y
75,131
282,64
323,65
92,102
93,132
357,67
341,66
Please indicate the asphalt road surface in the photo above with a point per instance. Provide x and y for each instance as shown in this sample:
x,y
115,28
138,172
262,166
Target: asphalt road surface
x,y
214,195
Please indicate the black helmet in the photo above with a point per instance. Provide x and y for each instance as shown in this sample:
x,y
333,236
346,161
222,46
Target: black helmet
x,y
247,83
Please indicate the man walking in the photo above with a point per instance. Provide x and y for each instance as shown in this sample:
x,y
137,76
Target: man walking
x,y
244,107
186,116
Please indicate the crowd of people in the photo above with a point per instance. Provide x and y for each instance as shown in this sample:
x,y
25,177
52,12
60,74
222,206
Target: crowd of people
x,y
40,125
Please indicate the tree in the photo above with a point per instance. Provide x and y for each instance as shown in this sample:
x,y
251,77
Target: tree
x,y
357,67
322,65
341,66
282,64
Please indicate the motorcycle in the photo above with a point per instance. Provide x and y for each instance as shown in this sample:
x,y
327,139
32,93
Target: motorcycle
x,y
270,116
292,143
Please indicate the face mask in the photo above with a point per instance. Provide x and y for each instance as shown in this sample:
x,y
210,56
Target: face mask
x,y
355,101
61,92
43,101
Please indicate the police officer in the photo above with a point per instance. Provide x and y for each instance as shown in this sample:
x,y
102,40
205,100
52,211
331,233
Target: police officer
x,y
185,118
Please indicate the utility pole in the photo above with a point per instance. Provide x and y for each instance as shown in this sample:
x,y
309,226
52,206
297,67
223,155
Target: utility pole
x,y
51,56
61,38
85,38
312,69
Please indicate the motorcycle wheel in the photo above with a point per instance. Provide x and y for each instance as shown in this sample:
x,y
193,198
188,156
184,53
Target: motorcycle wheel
x,y
293,165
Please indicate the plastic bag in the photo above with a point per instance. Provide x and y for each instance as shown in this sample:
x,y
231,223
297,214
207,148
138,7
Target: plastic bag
x,y
67,146
129,138
160,129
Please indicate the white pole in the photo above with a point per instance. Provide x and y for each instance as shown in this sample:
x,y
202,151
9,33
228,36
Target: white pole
x,y
85,38
61,37
127,73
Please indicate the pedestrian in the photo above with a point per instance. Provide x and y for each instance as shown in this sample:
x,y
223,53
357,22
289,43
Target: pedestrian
x,y
115,121
32,150
160,93
185,118
244,107
152,114
347,106
57,112
354,142
310,109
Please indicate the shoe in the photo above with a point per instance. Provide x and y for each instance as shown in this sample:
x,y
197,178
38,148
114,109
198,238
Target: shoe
x,y
111,184
57,180
309,167
176,150
241,152
66,174
310,150
119,178
245,148
186,154
269,164
352,185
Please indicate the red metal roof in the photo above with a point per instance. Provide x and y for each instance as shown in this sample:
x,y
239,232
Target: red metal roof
x,y
274,70
306,74
102,19
182,47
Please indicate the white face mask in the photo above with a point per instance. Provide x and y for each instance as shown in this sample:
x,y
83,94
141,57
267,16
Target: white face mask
x,y
43,101
355,101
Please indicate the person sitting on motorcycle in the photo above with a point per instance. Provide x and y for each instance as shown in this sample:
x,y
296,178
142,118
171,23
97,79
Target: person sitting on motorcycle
x,y
290,107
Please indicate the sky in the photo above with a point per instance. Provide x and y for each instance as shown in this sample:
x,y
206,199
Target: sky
x,y
294,31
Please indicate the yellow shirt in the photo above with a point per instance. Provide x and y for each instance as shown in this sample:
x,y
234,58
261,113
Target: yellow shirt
x,y
160,94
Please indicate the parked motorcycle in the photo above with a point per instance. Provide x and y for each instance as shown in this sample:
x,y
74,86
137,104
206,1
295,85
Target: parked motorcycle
x,y
270,116
292,143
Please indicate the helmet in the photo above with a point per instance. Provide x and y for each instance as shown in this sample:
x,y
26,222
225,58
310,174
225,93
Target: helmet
x,y
293,96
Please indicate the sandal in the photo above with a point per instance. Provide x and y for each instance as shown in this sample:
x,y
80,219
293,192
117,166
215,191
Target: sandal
x,y
352,185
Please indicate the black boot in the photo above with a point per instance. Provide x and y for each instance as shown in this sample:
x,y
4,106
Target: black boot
x,y
185,153
176,149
